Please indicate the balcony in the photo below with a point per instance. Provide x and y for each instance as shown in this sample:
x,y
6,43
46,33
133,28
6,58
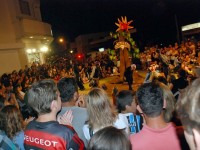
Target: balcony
x,y
35,28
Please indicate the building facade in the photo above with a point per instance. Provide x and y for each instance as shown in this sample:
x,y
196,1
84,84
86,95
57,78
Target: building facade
x,y
90,42
24,38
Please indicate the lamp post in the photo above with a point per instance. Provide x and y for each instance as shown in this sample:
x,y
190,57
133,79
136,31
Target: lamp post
x,y
62,43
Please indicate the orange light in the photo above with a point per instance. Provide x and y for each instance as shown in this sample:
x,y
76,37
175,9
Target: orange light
x,y
61,40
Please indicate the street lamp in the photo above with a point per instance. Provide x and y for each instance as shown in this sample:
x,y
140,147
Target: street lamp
x,y
61,40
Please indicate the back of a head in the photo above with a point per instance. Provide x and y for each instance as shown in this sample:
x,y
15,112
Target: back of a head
x,y
182,73
99,108
161,79
188,107
67,87
170,102
13,121
98,98
41,94
124,97
150,99
109,138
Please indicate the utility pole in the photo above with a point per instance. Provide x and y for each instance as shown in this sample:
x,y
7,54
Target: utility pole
x,y
177,29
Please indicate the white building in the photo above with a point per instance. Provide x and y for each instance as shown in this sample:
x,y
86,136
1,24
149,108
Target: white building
x,y
24,38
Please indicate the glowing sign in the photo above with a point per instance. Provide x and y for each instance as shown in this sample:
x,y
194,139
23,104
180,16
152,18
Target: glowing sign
x,y
191,26
101,49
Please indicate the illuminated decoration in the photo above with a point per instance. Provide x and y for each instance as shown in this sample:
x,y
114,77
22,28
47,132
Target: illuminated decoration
x,y
122,45
44,49
34,50
123,25
29,51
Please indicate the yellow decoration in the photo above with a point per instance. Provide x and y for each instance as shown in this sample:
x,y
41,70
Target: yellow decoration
x,y
122,45
123,25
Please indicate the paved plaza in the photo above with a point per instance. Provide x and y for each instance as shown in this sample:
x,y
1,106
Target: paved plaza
x,y
111,82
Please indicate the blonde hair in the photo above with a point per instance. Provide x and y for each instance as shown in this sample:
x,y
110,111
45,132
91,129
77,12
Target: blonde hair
x,y
188,107
101,114
170,102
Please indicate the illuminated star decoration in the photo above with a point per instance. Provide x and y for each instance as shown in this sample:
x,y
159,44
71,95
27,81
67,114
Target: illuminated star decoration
x,y
123,25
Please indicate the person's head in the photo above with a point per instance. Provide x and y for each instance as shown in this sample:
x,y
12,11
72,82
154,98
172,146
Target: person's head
x,y
126,101
188,108
109,138
150,99
160,79
182,73
17,88
133,67
100,111
8,86
169,99
13,120
43,97
68,90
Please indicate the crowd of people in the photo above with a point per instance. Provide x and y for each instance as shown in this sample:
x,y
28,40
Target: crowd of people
x,y
175,65
40,106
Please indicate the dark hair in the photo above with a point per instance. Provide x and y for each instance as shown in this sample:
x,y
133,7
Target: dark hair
x,y
15,90
13,121
182,73
2,121
41,94
160,79
67,87
7,83
150,99
109,138
2,100
124,97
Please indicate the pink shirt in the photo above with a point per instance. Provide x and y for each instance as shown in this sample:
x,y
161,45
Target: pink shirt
x,y
156,139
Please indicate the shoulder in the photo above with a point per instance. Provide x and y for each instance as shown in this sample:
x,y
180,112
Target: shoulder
x,y
80,109
121,122
86,131
79,112
19,135
136,139
5,142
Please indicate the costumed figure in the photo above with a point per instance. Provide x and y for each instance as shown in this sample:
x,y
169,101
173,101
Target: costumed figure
x,y
123,44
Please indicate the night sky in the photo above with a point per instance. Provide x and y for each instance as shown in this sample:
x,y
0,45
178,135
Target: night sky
x,y
153,19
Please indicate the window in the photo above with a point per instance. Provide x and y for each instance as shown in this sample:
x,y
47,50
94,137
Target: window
x,y
24,7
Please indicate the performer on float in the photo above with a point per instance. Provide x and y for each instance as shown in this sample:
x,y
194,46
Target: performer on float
x,y
122,44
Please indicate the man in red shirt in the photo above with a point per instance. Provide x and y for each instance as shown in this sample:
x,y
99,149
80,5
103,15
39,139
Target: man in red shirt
x,y
156,134
45,132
